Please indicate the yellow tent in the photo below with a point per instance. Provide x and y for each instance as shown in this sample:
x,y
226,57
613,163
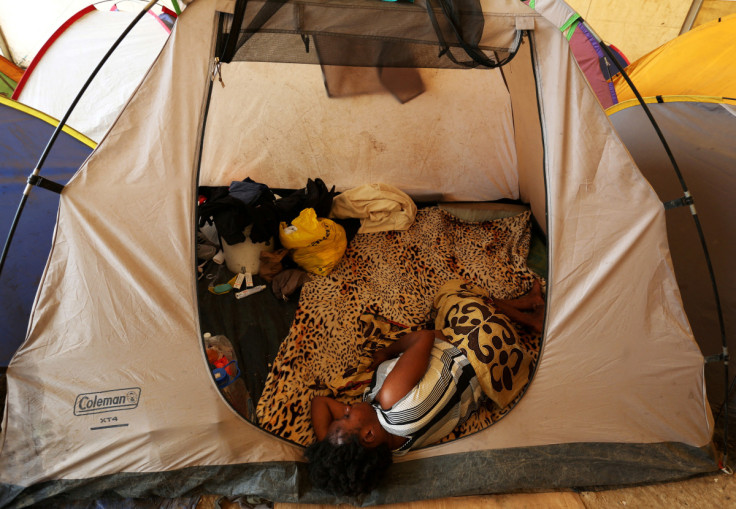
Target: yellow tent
x,y
699,62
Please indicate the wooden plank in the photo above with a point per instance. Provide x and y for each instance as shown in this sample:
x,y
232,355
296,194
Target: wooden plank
x,y
637,28
714,9
711,491
651,13
582,7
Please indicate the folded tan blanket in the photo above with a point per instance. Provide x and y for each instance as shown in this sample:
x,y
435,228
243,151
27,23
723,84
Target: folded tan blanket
x,y
380,207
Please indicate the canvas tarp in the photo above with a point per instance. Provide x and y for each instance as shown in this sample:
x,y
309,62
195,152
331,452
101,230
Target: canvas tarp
x,y
620,375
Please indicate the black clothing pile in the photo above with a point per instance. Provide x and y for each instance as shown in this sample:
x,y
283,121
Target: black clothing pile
x,y
248,203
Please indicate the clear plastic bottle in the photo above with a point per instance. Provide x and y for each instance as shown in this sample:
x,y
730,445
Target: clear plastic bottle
x,y
218,345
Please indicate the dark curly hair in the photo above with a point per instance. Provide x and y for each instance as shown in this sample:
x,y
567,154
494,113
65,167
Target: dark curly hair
x,y
347,469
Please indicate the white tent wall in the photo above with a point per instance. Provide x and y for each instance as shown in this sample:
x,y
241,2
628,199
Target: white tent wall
x,y
27,25
117,311
518,76
370,138
610,272
55,76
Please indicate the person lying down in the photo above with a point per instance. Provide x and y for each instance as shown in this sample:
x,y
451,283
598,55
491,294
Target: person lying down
x,y
410,401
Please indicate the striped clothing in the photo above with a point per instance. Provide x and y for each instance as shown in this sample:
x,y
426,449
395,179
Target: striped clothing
x,y
444,398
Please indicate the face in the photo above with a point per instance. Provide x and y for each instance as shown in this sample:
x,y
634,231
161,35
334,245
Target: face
x,y
359,419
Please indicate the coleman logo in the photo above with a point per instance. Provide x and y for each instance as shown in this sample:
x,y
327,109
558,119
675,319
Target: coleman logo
x,y
107,401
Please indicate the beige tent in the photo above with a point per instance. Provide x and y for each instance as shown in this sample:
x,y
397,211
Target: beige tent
x,y
618,396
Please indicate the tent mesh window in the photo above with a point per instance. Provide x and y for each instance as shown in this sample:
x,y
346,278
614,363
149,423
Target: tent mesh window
x,y
370,33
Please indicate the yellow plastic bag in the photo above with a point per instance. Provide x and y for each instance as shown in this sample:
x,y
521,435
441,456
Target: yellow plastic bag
x,y
316,244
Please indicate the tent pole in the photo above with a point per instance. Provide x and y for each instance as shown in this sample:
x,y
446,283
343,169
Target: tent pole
x,y
59,127
691,16
4,46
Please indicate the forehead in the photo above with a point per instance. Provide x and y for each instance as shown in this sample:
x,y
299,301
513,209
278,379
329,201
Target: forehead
x,y
340,432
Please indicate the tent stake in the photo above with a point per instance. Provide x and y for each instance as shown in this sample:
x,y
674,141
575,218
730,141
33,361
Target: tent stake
x,y
34,175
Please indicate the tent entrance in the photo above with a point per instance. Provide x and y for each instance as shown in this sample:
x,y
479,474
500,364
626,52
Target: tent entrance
x,y
382,111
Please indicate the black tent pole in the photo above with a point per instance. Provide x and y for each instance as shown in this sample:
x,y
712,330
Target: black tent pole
x,y
37,170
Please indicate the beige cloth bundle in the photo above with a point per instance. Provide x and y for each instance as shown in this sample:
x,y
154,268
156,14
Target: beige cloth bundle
x,y
380,207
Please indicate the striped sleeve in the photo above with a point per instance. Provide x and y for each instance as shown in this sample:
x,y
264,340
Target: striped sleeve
x,y
443,398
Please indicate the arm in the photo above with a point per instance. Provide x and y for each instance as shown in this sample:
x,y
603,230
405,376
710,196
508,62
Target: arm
x,y
324,411
410,367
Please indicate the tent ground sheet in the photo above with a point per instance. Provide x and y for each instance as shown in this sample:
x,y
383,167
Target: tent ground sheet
x,y
386,284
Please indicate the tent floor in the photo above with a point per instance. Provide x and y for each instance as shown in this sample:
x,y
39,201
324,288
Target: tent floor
x,y
255,325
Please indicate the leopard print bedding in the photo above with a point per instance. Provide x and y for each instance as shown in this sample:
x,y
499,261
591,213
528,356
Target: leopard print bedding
x,y
384,285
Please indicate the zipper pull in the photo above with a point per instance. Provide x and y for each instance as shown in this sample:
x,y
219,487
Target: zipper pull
x,y
217,72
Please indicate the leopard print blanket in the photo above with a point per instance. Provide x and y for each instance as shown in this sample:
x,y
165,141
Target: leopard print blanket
x,y
385,285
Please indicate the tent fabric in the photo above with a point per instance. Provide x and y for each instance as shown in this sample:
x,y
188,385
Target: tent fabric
x,y
28,26
619,383
592,58
391,141
688,86
10,74
68,58
24,133
700,134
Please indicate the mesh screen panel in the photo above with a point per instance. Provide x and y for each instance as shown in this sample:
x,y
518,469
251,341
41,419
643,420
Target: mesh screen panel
x,y
363,33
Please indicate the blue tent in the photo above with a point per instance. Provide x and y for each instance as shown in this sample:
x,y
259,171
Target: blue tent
x,y
24,133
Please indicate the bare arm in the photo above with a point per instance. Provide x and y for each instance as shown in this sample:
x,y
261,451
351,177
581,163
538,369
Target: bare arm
x,y
324,411
410,367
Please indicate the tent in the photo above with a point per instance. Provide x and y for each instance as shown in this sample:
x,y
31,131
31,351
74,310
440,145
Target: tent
x,y
10,74
689,86
593,60
66,60
24,133
26,28
618,396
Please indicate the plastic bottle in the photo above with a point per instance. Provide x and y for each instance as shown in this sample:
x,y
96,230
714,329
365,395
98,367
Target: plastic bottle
x,y
223,362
